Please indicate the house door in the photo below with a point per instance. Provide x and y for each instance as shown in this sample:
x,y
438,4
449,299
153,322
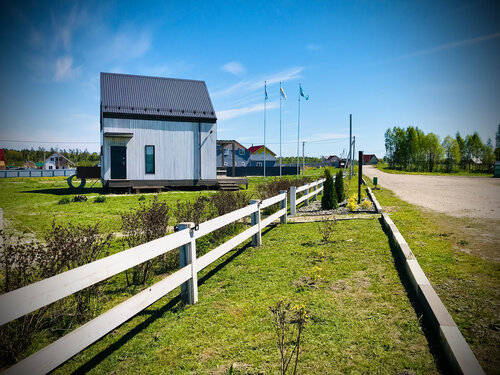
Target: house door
x,y
118,162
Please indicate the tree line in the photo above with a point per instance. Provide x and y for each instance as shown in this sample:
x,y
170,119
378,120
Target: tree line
x,y
411,149
77,156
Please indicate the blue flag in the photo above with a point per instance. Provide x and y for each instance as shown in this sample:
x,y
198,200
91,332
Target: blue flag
x,y
306,97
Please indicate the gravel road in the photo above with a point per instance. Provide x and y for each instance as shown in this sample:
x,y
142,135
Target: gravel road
x,y
476,197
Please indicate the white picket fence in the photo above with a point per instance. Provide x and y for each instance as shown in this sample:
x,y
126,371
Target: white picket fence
x,y
32,297
317,187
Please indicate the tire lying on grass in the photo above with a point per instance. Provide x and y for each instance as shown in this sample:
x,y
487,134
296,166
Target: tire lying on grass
x,y
70,182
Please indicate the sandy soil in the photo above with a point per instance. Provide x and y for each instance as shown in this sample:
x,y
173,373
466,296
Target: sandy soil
x,y
475,197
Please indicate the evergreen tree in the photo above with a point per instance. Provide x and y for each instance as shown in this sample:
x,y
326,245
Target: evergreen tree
x,y
329,199
339,186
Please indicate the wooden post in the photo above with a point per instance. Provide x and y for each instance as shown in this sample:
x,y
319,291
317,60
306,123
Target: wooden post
x,y
360,175
187,256
1,229
255,217
293,197
282,206
306,202
315,196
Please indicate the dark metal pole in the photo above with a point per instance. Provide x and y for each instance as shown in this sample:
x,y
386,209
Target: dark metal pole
x,y
234,171
351,156
360,175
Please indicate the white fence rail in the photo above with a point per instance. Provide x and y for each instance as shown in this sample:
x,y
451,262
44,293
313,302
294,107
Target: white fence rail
x,y
37,173
317,187
29,298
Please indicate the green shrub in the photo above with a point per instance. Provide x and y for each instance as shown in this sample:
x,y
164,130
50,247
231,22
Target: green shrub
x,y
64,200
100,199
146,224
339,186
329,199
141,198
79,198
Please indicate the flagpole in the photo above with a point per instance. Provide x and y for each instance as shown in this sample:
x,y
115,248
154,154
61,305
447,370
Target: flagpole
x,y
265,101
280,132
298,137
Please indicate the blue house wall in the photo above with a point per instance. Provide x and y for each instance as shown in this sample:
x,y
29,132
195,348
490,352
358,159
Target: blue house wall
x,y
240,160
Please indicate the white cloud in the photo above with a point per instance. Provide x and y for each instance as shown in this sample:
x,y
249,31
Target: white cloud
x,y
234,68
65,70
127,45
258,83
313,47
443,47
238,112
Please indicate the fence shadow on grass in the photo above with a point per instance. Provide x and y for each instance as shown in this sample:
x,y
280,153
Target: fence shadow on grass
x,y
154,315
431,335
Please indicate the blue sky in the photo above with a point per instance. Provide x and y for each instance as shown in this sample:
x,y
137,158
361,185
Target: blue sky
x,y
435,65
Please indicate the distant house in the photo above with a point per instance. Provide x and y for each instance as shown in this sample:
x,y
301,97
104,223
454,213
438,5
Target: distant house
x,y
58,161
28,164
257,154
156,132
370,159
229,150
3,159
332,160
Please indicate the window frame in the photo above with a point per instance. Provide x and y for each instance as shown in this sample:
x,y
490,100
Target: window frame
x,y
146,159
226,151
241,151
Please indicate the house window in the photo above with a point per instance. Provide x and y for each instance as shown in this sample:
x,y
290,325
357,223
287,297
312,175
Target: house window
x,y
51,159
226,152
225,164
242,163
259,164
150,159
241,151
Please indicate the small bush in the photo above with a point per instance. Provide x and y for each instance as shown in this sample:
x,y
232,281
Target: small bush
x,y
23,263
329,199
141,198
352,204
289,324
145,224
100,199
366,204
64,200
79,198
272,187
326,228
197,211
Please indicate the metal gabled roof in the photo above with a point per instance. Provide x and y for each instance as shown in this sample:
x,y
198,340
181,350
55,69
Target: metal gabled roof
x,y
130,96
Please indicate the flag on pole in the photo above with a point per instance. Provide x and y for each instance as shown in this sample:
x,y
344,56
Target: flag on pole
x,y
306,97
265,90
282,92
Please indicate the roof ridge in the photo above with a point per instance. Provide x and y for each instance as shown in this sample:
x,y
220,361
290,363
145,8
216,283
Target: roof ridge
x,y
153,77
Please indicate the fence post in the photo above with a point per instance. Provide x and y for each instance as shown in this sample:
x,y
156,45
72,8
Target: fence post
x,y
306,202
283,205
315,196
255,217
187,256
293,197
1,229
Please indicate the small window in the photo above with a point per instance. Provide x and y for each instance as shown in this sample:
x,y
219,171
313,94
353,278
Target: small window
x,y
242,151
150,159
225,164
259,164
226,152
242,163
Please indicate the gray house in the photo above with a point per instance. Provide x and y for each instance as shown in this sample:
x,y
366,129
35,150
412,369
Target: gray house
x,y
229,150
156,132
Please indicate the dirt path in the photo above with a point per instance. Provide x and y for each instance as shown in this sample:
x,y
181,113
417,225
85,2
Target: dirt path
x,y
475,197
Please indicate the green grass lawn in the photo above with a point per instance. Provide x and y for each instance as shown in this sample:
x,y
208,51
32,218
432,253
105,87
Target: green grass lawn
x,y
455,172
468,285
31,204
361,320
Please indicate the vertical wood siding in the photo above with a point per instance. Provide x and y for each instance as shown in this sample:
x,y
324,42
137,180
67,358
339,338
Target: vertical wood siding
x,y
176,149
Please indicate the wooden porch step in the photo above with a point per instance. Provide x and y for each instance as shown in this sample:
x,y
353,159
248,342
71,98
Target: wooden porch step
x,y
138,189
